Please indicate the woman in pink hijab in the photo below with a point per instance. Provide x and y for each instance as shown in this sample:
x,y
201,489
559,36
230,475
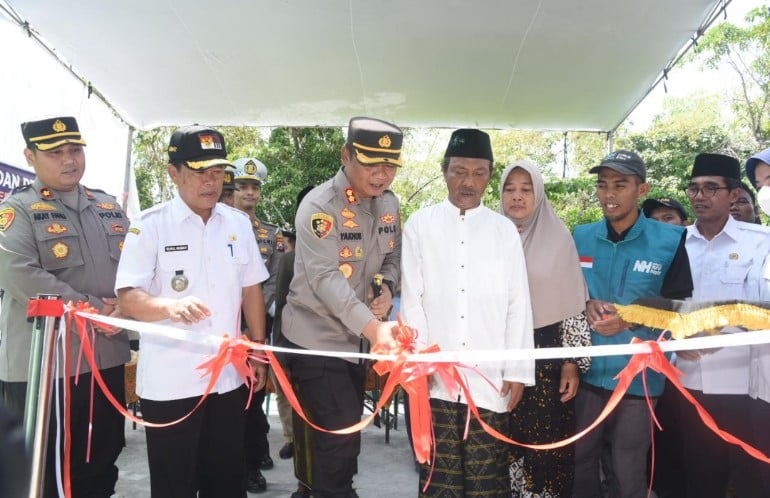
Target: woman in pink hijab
x,y
558,294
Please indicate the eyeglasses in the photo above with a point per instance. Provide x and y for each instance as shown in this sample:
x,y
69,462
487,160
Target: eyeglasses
x,y
706,190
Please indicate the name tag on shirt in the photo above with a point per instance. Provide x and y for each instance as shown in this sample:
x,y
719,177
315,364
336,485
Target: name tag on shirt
x,y
175,248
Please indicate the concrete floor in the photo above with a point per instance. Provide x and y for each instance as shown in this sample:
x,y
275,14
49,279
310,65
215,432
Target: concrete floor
x,y
385,470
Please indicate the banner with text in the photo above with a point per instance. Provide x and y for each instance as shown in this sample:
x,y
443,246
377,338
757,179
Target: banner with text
x,y
12,177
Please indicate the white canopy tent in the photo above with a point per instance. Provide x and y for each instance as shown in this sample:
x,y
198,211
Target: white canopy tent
x,y
526,64
537,64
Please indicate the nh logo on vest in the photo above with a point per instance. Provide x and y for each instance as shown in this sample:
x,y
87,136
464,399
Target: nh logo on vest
x,y
648,267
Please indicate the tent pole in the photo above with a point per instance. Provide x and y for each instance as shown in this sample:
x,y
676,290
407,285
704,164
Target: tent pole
x,y
610,141
37,410
564,166
127,170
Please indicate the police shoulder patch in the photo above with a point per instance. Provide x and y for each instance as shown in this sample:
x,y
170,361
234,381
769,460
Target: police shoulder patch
x,y
7,216
321,224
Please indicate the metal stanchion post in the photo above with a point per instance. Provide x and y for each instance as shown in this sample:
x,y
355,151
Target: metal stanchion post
x,y
38,402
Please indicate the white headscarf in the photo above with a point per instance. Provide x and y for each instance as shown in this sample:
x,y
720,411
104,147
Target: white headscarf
x,y
556,284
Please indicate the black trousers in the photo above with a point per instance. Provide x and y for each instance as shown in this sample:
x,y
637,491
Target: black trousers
x,y
709,461
257,448
760,421
14,474
669,466
255,435
331,391
201,456
97,477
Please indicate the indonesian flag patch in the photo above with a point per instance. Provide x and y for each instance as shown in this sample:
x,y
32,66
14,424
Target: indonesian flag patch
x,y
586,262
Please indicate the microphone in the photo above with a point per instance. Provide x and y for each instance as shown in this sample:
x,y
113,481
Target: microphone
x,y
377,284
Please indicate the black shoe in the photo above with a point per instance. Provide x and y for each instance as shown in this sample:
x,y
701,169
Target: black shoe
x,y
287,451
266,463
256,482
302,492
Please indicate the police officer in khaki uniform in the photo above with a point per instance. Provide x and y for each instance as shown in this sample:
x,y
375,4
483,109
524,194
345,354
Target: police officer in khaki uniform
x,y
250,173
228,188
348,230
58,237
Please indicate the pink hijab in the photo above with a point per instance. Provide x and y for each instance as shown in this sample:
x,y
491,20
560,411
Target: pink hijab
x,y
556,285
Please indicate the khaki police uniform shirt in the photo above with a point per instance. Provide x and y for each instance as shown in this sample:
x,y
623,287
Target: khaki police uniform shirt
x,y
270,242
342,242
48,248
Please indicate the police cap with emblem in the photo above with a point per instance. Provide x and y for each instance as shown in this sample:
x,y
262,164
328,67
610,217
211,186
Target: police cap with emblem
x,y
48,134
716,165
375,141
250,168
229,180
197,147
467,142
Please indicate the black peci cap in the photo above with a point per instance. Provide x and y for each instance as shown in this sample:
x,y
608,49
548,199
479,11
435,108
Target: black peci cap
x,y
716,165
468,142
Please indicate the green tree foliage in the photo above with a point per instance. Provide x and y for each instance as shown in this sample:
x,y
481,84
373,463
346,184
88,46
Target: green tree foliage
x,y
745,50
295,158
685,128
586,150
150,158
574,200
420,181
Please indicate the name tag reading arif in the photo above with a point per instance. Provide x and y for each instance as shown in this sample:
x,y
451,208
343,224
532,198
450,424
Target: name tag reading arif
x,y
175,248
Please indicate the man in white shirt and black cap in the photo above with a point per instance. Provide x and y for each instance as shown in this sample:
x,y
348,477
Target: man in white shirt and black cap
x,y
192,262
465,288
726,259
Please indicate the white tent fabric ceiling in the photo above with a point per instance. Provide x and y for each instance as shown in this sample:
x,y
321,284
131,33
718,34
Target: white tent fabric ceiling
x,y
537,64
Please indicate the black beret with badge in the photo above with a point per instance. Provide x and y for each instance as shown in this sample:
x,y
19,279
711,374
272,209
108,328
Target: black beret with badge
x,y
716,165
48,134
197,147
375,141
468,142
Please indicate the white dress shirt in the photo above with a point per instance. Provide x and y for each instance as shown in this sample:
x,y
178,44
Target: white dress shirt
x,y
464,287
759,373
218,259
729,266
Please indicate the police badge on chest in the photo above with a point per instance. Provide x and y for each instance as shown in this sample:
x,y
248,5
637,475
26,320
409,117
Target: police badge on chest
x,y
179,282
